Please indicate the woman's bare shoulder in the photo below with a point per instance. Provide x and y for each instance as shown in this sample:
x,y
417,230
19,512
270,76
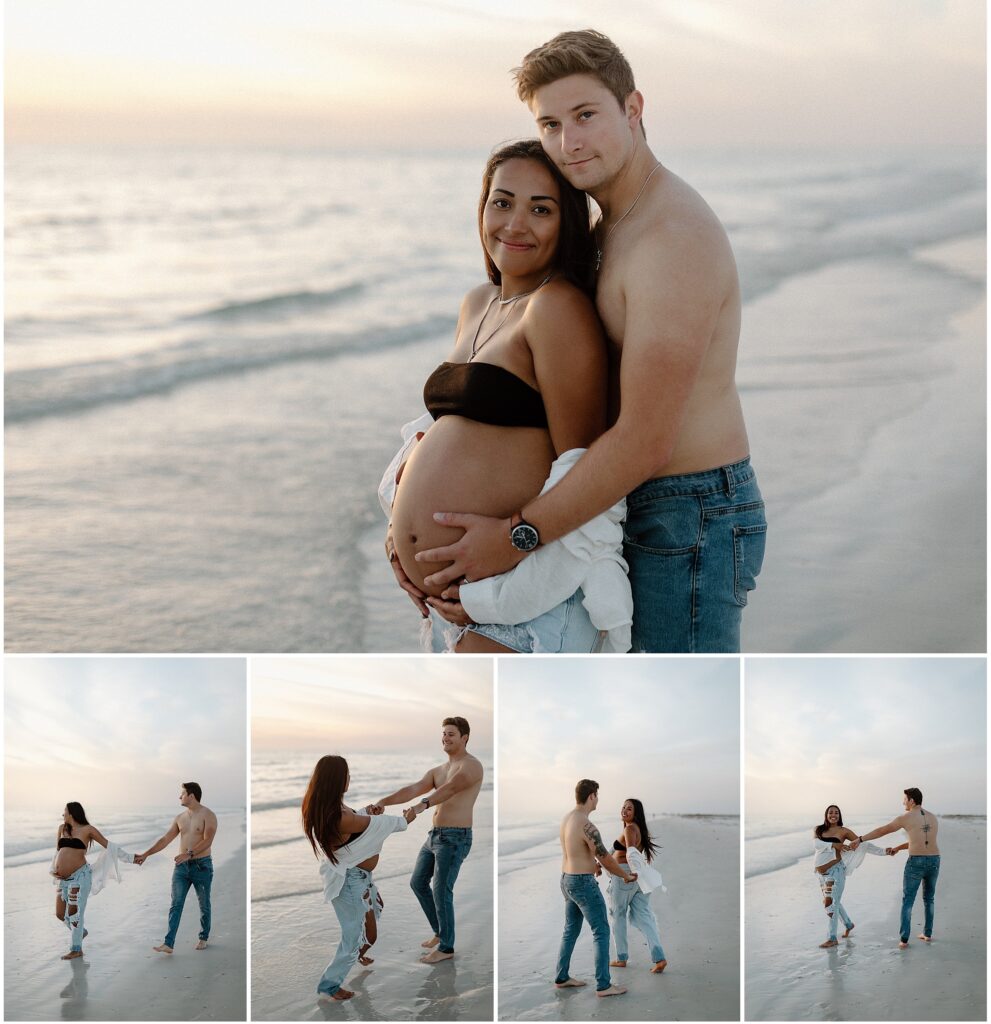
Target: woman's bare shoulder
x,y
560,297
479,296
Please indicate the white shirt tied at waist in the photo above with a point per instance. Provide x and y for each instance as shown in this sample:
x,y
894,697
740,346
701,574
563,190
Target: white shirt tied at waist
x,y
852,859
590,557
367,844
648,877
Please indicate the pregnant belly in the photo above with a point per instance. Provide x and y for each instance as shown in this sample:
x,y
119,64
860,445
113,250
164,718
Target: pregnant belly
x,y
464,466
68,861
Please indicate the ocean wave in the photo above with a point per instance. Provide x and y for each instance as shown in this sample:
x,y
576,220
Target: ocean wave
x,y
53,391
278,305
277,805
265,843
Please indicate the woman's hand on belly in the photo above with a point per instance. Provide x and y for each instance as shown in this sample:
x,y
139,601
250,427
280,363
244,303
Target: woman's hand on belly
x,y
416,595
450,608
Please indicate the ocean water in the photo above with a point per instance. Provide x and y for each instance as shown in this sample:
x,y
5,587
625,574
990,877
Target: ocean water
x,y
282,862
29,844
772,843
209,353
525,843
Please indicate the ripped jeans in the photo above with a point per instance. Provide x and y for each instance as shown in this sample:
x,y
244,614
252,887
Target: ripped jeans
x,y
74,891
832,883
358,895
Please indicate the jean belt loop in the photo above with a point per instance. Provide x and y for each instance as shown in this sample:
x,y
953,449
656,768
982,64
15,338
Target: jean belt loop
x,y
730,481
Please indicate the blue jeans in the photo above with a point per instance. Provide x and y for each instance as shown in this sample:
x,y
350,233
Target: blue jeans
x,y
583,901
565,629
833,883
626,898
74,891
197,873
440,858
358,895
926,871
694,545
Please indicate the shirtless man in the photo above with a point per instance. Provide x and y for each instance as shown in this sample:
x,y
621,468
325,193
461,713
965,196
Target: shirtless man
x,y
196,825
669,299
923,859
583,852
453,788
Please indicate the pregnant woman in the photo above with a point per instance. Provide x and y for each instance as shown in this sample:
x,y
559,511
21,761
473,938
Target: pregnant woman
x,y
351,843
74,875
525,383
834,861
629,900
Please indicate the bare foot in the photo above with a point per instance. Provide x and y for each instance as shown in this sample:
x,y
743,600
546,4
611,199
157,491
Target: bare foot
x,y
658,968
850,929
613,990
73,954
570,983
200,945
338,997
903,945
431,942
925,938
617,963
163,949
365,961
828,943
435,957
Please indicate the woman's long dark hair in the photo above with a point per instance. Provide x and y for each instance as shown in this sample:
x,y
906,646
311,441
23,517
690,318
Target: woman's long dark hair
x,y
825,823
646,845
78,816
323,805
575,256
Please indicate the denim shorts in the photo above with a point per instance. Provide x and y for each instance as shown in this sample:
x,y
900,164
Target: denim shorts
x,y
694,545
565,629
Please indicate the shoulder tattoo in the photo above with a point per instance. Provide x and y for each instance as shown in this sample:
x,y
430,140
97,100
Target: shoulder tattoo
x,y
593,836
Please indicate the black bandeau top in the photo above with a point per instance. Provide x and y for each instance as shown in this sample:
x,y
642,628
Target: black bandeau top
x,y
618,844
70,843
485,393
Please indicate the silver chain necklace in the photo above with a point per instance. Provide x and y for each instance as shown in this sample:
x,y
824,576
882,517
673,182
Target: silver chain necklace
x,y
600,251
477,347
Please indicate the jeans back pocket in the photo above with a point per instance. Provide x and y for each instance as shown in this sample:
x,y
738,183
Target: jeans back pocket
x,y
748,550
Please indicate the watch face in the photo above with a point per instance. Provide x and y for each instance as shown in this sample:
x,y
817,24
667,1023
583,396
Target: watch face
x,y
524,537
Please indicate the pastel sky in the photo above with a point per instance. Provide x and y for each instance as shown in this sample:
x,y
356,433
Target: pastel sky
x,y
428,73
368,705
664,731
130,730
856,732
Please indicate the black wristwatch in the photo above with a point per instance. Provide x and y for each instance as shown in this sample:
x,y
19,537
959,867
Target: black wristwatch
x,y
523,535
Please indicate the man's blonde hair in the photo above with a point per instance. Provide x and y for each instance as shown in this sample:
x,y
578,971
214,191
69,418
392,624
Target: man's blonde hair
x,y
584,52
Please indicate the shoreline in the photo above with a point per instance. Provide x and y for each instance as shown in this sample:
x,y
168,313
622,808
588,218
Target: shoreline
x,y
698,920
867,977
119,977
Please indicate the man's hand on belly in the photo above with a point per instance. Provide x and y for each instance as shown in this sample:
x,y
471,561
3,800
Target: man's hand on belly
x,y
483,550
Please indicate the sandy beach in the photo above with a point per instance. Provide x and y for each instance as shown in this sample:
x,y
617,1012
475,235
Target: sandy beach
x,y
120,977
294,937
698,919
867,977
893,456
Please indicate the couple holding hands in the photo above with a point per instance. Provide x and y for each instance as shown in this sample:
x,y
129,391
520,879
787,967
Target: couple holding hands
x,y
77,880
349,843
838,851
